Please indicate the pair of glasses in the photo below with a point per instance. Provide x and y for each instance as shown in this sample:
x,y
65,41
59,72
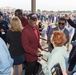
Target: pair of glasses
x,y
61,23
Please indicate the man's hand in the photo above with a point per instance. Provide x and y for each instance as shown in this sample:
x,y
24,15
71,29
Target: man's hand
x,y
39,52
67,16
41,61
71,17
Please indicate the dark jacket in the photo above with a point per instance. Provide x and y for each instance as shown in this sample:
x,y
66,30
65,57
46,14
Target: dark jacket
x,y
14,39
4,26
71,23
30,43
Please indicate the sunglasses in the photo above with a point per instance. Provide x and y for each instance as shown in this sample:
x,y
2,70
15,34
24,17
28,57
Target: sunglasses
x,y
61,23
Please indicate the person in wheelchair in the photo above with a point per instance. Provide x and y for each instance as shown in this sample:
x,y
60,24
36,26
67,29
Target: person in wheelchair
x,y
58,55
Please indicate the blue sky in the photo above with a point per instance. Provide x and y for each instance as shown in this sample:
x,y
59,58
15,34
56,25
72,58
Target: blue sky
x,y
41,4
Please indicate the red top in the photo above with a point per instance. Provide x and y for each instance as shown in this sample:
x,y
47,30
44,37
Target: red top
x,y
36,32
30,43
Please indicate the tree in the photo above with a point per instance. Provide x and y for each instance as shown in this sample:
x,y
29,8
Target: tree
x,y
38,10
74,11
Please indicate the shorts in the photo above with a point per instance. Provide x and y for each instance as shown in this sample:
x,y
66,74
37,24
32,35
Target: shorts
x,y
18,59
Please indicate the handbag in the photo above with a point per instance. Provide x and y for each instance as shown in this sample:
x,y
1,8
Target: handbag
x,y
56,70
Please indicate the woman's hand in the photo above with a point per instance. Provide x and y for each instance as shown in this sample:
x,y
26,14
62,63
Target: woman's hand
x,y
67,16
41,61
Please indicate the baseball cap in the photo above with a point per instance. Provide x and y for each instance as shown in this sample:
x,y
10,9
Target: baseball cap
x,y
32,16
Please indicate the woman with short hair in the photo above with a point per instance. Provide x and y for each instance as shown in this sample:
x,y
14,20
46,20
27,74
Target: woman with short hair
x,y
58,54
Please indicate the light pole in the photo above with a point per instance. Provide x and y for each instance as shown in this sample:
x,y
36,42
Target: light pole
x,y
33,6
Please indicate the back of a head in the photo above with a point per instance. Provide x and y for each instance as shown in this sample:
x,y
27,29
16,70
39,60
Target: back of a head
x,y
59,38
18,12
16,24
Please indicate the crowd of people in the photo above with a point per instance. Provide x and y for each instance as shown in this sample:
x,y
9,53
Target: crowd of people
x,y
20,44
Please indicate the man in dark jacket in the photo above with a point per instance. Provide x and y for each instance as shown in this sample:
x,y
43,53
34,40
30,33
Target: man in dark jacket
x,y
3,27
60,27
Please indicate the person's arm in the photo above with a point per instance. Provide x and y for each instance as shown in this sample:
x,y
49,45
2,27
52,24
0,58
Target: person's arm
x,y
70,19
71,23
46,54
